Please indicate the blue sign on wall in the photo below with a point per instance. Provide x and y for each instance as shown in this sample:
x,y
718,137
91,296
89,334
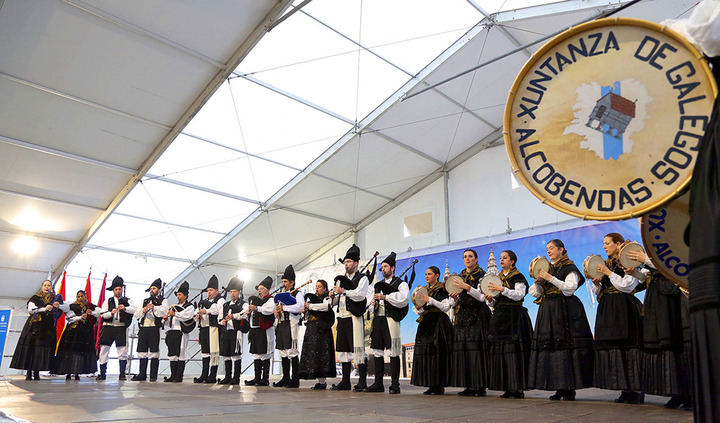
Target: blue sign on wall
x,y
5,315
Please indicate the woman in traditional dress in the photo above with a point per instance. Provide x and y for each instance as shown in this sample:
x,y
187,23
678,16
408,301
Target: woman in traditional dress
x,y
76,350
561,357
618,327
317,360
510,331
433,340
36,346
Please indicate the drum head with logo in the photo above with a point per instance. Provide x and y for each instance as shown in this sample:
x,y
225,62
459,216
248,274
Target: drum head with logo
x,y
452,284
538,263
663,234
590,266
623,256
604,121
485,285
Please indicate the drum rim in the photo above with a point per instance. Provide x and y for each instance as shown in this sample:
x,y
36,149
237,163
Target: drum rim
x,y
535,260
586,260
446,285
643,222
483,291
534,59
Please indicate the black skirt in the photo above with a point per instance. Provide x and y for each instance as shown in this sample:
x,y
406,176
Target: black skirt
x,y
230,343
318,352
618,343
76,352
258,340
470,353
561,354
36,345
283,335
510,336
380,335
433,351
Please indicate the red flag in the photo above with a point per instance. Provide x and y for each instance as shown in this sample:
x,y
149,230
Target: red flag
x,y
60,326
88,288
101,300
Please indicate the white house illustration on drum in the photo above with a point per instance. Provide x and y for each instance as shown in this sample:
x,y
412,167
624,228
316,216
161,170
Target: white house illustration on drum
x,y
612,110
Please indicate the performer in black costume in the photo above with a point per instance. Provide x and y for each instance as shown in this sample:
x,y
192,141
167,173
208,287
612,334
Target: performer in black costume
x,y
470,330
286,331
317,360
208,312
262,336
231,339
433,341
179,322
388,310
149,318
117,315
76,350
561,357
664,372
618,327
36,346
510,332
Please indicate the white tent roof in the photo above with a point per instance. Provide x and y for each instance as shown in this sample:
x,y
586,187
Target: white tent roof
x,y
304,142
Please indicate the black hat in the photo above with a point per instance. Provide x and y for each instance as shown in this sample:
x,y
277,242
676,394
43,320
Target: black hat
x,y
118,281
212,283
267,282
390,260
353,254
235,283
289,273
184,288
156,283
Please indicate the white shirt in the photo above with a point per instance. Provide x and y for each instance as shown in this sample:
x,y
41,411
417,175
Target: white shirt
x,y
32,308
237,316
515,294
148,319
397,299
267,309
323,306
567,287
626,284
215,309
358,294
443,305
173,322
106,313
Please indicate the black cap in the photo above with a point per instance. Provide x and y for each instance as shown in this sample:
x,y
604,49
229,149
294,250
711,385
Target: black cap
x,y
212,283
184,288
156,283
353,253
267,283
118,281
289,273
236,284
390,260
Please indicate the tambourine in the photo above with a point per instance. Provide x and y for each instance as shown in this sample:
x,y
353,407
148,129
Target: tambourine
x,y
419,292
590,266
538,263
452,284
663,234
485,285
630,246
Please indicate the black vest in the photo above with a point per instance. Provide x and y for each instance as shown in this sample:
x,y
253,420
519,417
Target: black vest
x,y
501,300
562,272
230,307
156,301
186,326
255,318
396,313
356,308
125,317
206,304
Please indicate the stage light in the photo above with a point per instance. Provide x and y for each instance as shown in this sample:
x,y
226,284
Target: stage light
x,y
25,245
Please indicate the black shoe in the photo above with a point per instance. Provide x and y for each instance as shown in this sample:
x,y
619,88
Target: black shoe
x,y
294,378
154,366
429,391
265,381
362,381
69,377
319,386
212,377
513,394
376,387
557,396
142,374
236,376
77,377
36,375
173,372
258,373
204,371
467,393
28,376
438,391
624,396
103,369
180,372
228,373
394,389
687,404
569,395
123,366
293,384
636,398
675,401
285,362
344,384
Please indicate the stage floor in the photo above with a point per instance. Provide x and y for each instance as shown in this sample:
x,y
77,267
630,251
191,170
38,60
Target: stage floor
x,y
55,400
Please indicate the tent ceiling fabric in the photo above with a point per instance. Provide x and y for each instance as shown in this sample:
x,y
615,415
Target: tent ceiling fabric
x,y
91,89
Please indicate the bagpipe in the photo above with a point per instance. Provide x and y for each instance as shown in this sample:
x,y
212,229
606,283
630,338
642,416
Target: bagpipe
x,y
382,287
186,326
